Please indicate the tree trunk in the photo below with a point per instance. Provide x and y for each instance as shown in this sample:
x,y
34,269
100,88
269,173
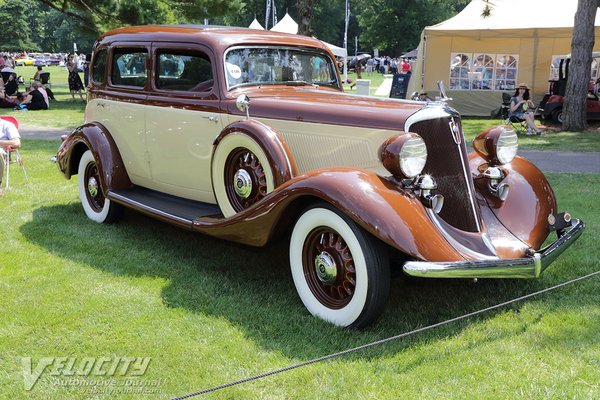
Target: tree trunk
x,y
305,14
574,111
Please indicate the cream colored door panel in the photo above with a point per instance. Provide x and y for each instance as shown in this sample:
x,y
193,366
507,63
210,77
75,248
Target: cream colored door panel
x,y
180,144
125,122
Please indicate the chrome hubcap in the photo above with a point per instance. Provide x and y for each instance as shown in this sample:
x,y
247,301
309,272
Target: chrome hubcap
x,y
92,186
242,183
326,268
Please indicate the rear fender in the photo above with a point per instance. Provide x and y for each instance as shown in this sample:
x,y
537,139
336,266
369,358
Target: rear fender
x,y
95,137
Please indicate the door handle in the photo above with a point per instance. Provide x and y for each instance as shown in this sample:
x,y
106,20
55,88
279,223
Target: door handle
x,y
212,119
100,104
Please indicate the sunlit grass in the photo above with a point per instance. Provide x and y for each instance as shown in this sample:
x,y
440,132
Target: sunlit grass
x,y
208,311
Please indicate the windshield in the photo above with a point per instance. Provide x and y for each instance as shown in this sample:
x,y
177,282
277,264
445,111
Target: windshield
x,y
279,66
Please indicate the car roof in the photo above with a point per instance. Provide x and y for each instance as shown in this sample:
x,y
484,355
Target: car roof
x,y
217,37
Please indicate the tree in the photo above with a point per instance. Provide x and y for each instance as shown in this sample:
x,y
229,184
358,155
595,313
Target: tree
x,y
15,35
582,45
305,15
101,15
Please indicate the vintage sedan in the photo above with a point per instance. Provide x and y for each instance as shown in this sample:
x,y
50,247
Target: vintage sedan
x,y
247,135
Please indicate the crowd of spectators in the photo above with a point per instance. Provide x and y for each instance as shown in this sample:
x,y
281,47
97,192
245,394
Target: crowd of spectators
x,y
388,65
36,96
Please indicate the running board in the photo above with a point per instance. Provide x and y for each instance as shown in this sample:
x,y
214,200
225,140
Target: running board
x,y
172,209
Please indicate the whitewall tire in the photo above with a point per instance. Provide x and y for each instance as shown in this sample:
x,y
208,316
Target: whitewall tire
x,y
241,173
96,206
341,272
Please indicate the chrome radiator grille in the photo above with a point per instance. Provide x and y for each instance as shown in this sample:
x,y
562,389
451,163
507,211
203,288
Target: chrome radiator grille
x,y
448,163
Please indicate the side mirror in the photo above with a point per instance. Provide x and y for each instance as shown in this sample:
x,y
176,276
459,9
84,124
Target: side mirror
x,y
243,104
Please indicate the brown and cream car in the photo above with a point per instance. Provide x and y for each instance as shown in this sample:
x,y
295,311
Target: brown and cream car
x,y
247,135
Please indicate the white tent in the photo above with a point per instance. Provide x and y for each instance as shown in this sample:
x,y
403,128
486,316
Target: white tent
x,y
286,25
256,25
479,57
337,51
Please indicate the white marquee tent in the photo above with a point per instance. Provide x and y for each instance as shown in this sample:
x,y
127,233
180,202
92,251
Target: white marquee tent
x,y
288,25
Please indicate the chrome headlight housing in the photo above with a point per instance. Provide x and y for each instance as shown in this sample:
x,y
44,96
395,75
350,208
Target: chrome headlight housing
x,y
497,145
404,155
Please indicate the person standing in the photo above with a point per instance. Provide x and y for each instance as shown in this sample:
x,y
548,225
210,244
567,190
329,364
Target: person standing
x,y
9,136
75,84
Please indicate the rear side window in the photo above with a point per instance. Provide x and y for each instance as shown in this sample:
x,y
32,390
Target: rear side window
x,y
129,67
99,66
185,71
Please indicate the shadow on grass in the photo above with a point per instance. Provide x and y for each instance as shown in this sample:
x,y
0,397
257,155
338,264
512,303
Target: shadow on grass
x,y
252,287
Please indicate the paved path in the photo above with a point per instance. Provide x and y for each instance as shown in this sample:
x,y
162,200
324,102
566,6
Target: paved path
x,y
547,161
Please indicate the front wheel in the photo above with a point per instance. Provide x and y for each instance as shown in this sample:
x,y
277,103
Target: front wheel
x,y
97,207
340,271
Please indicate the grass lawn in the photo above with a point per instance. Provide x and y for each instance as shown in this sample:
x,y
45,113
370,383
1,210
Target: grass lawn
x,y
208,312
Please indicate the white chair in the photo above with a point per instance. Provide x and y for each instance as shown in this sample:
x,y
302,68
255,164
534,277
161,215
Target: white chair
x,y
10,151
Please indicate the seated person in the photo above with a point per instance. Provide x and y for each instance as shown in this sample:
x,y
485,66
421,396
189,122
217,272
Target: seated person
x,y
36,98
12,86
522,108
36,76
9,136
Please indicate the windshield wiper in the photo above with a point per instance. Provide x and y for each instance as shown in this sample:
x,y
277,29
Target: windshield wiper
x,y
299,83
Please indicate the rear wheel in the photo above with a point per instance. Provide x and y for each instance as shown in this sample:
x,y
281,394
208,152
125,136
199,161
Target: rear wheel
x,y
241,174
97,207
557,116
341,272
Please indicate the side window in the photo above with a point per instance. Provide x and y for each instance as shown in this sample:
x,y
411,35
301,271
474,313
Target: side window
x,y
129,67
99,66
185,71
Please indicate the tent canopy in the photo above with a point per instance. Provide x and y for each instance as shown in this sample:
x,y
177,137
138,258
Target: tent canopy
x,y
256,25
529,34
286,25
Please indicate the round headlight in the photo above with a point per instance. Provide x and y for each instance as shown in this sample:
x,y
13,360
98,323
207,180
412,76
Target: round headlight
x,y
404,155
413,156
506,146
497,145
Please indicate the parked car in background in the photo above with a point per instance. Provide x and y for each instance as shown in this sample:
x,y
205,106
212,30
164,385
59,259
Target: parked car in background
x,y
24,60
551,106
234,133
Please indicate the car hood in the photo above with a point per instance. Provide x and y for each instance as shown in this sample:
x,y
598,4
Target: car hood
x,y
326,107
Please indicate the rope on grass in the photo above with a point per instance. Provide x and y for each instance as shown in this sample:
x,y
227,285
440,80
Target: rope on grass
x,y
382,341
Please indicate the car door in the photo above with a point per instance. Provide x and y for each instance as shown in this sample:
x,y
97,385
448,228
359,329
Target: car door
x,y
119,104
182,119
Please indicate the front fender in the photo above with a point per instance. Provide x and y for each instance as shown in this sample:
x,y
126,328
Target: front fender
x,y
394,216
530,200
95,137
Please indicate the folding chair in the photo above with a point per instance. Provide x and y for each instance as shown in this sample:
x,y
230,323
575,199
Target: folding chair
x,y
12,150
519,125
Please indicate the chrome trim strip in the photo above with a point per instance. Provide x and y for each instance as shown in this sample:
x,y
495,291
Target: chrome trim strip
x,y
120,198
469,182
528,267
431,111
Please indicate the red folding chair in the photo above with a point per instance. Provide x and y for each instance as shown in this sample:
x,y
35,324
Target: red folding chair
x,y
12,150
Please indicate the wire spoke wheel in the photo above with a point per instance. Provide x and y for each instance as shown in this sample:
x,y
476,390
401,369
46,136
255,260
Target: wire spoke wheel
x,y
341,272
329,268
93,191
245,179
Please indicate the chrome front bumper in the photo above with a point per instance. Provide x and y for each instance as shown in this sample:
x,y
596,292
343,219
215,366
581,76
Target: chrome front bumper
x,y
529,267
